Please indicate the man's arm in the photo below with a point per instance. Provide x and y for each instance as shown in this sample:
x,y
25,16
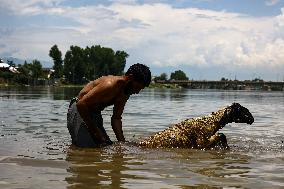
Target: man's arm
x,y
116,122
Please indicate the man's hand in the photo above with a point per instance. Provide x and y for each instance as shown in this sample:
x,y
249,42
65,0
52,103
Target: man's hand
x,y
107,143
98,135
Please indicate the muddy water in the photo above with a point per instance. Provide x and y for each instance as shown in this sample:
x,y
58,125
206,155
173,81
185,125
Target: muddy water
x,y
35,149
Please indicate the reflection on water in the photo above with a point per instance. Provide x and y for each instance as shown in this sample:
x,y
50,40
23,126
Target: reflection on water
x,y
35,149
51,93
99,167
124,166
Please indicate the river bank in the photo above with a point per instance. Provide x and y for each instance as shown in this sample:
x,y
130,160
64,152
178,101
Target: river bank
x,y
152,85
258,85
190,84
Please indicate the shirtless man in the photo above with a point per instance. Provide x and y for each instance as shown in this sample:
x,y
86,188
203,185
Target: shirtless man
x,y
84,119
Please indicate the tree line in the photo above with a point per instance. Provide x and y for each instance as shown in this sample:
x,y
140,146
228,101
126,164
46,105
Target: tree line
x,y
78,66
176,75
84,64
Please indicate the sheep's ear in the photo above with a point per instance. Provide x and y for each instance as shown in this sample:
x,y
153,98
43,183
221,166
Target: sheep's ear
x,y
235,104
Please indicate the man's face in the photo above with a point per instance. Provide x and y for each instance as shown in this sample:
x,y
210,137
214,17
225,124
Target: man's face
x,y
133,87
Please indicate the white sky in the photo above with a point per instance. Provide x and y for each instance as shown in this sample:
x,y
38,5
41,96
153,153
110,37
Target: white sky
x,y
203,36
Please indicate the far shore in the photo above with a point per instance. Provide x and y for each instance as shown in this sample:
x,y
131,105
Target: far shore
x,y
152,85
189,84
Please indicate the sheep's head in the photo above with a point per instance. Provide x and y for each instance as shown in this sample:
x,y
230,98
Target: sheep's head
x,y
239,114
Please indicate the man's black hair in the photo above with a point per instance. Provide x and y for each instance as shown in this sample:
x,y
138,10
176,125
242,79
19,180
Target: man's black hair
x,y
140,72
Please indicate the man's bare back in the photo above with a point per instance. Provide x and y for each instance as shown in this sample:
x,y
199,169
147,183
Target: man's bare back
x,y
116,83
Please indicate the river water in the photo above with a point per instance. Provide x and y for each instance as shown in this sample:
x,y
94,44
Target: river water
x,y
35,149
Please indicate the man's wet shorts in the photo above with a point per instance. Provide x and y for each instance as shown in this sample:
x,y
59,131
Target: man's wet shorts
x,y
77,128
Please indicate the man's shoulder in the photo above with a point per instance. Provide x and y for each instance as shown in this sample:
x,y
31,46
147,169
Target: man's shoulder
x,y
112,81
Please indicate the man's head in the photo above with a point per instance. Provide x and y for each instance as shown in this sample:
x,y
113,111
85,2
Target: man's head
x,y
140,77
140,73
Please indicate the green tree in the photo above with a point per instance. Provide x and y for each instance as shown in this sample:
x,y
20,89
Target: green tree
x,y
224,79
92,62
104,61
23,76
163,76
178,75
36,69
56,55
29,72
24,69
119,62
95,61
75,65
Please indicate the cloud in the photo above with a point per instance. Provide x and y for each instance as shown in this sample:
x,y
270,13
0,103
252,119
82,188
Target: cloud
x,y
198,37
157,34
124,1
271,2
28,7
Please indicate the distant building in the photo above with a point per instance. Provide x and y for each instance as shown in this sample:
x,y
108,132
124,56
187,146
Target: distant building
x,y
48,72
7,68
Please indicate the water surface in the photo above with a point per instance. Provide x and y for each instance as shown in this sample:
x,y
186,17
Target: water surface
x,y
35,149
